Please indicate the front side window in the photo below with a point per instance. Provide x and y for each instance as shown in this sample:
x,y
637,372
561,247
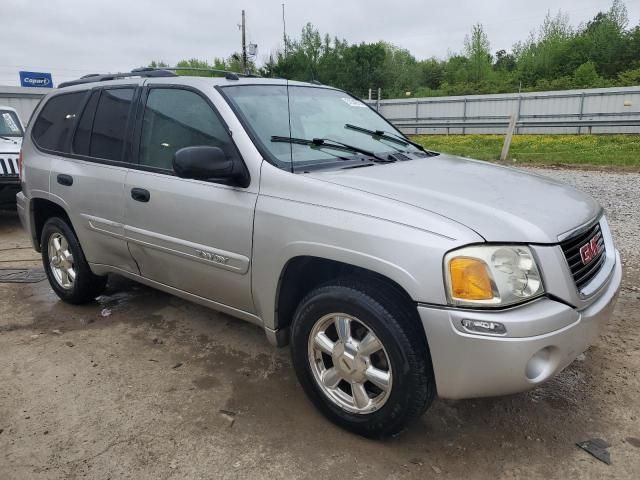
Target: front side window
x,y
309,113
55,121
174,119
110,124
9,124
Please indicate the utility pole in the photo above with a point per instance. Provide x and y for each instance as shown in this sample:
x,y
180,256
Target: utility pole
x,y
244,46
284,31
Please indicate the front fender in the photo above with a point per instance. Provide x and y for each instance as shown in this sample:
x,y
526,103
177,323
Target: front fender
x,y
410,257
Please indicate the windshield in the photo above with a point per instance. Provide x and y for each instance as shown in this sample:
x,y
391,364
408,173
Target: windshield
x,y
9,124
315,113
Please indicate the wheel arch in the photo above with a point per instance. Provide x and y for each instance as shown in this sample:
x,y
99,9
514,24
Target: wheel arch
x,y
42,209
303,273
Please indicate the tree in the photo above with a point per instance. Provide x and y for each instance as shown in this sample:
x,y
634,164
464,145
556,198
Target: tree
x,y
629,78
432,73
476,48
604,51
586,76
505,62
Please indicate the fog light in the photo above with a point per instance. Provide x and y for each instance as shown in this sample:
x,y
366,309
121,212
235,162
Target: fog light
x,y
484,327
542,364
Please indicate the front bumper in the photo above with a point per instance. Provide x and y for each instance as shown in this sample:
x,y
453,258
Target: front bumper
x,y
9,186
544,337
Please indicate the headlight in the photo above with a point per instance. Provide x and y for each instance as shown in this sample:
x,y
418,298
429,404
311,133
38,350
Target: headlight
x,y
491,275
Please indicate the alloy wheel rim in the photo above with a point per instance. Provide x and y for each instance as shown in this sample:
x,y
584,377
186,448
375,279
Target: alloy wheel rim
x,y
349,363
61,261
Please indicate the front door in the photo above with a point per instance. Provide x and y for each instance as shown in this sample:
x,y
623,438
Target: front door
x,y
192,235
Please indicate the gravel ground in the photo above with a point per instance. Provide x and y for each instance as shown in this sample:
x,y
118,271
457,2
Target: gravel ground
x,y
143,385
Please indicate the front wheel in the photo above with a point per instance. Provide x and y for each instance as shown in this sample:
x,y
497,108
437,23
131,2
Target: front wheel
x,y
361,358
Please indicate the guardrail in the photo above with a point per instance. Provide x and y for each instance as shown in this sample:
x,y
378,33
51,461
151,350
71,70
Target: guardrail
x,y
606,110
504,123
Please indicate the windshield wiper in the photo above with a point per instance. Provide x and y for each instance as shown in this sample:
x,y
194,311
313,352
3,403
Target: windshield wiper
x,y
328,143
392,137
7,138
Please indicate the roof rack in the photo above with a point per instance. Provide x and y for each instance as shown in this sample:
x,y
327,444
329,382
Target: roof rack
x,y
151,72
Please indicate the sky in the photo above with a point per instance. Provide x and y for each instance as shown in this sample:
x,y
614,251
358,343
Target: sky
x,y
71,38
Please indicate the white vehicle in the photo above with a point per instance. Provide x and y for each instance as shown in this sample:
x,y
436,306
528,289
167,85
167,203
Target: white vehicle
x,y
11,133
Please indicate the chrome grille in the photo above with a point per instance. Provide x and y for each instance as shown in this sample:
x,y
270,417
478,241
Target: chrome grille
x,y
583,274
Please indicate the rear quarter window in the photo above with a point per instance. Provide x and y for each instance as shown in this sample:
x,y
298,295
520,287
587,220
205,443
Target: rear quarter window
x,y
55,122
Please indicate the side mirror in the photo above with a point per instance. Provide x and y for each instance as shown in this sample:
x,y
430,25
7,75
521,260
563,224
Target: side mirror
x,y
203,163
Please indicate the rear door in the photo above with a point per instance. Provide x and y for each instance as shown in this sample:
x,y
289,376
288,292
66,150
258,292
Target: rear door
x,y
90,178
192,235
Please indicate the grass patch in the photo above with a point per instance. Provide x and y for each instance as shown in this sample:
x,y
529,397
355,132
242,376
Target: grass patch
x,y
597,150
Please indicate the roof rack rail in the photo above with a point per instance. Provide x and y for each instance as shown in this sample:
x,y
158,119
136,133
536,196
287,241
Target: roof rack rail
x,y
227,74
151,72
97,77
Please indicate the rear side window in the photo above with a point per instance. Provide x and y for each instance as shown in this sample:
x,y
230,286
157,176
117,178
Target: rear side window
x,y
55,122
110,123
175,118
82,138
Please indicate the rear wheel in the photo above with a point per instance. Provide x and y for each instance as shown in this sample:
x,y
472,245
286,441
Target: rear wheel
x,y
67,270
360,357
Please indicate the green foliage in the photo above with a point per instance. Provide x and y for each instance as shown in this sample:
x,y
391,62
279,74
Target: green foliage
x,y
476,49
629,78
603,52
586,76
612,150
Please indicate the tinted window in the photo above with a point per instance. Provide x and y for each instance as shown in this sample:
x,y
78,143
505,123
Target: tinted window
x,y
82,138
54,124
174,119
110,123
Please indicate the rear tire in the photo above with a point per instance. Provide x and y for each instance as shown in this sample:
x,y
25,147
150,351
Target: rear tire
x,y
65,265
335,373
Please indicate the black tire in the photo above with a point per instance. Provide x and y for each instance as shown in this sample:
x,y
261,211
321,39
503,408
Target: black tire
x,y
86,286
396,324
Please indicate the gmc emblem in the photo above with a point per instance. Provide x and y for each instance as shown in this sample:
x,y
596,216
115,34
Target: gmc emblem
x,y
589,251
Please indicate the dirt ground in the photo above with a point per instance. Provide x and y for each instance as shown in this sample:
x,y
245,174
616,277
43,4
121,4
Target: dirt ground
x,y
143,385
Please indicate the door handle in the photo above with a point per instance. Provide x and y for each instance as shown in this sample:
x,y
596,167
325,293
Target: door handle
x,y
66,180
140,194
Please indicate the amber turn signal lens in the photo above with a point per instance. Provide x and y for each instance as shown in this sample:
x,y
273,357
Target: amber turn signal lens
x,y
470,279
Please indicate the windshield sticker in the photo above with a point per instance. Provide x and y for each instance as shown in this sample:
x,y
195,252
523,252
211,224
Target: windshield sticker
x,y
352,102
10,123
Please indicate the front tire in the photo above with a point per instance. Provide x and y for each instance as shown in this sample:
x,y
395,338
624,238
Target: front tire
x,y
361,358
65,265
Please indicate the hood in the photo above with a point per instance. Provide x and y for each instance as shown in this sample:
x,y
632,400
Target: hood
x,y
499,203
10,146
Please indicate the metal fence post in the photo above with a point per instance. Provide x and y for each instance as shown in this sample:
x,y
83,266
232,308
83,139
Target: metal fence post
x,y
518,115
507,139
417,115
378,100
581,111
464,115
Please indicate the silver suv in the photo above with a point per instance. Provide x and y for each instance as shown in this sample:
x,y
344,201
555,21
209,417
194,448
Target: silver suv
x,y
394,273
